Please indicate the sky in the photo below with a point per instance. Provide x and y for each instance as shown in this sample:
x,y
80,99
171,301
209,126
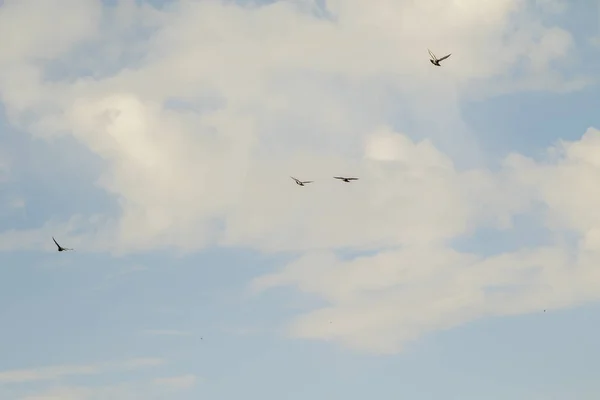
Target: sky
x,y
158,138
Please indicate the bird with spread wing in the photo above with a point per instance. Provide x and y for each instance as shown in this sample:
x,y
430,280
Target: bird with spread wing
x,y
60,248
347,180
436,61
299,182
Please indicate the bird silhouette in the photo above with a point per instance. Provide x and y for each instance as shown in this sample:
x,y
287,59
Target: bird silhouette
x,y
299,182
436,61
347,180
60,248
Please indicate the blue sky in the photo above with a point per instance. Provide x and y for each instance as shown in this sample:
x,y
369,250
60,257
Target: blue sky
x,y
159,141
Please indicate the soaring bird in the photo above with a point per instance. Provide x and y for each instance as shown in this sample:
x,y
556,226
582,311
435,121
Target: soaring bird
x,y
436,61
345,179
299,182
60,248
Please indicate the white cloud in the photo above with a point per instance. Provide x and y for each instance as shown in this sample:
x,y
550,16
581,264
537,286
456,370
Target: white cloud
x,y
378,303
55,382
275,91
56,372
181,174
178,382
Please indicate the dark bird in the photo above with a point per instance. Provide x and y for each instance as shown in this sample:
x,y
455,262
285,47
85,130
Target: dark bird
x,y
299,182
436,61
60,248
345,179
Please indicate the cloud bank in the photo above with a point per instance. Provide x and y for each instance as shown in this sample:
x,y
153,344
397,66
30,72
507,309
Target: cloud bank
x,y
198,112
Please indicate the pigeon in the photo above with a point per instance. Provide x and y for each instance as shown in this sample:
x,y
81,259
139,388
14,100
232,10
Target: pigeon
x,y
436,61
299,182
345,179
60,248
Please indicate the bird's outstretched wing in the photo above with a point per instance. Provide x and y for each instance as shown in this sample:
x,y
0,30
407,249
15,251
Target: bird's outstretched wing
x,y
352,179
307,181
432,55
338,177
297,181
55,242
443,58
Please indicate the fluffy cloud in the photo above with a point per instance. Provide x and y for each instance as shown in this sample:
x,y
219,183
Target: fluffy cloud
x,y
200,111
378,302
197,131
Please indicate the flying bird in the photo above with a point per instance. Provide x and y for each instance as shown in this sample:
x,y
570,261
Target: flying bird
x,y
436,61
345,179
299,182
60,248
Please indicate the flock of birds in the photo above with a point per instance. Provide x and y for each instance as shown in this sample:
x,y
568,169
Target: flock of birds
x,y
434,60
342,178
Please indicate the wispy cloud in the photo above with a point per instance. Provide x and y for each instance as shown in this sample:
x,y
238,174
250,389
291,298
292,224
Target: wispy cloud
x,y
166,332
137,363
160,388
59,371
127,271
178,382
4,167
244,331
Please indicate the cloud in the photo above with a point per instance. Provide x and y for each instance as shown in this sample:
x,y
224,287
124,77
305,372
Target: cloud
x,y
142,363
178,382
166,332
63,393
199,112
379,302
132,269
56,384
151,390
57,372
4,166
188,176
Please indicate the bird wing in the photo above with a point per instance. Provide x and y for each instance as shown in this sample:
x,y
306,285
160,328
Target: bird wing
x,y
55,242
443,58
339,177
352,179
307,181
432,55
294,179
